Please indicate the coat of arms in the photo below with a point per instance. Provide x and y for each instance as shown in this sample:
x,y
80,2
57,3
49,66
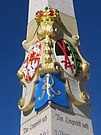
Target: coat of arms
x,y
32,61
68,58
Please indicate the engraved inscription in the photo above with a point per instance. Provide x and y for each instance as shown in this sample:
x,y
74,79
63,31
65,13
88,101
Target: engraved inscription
x,y
59,132
57,124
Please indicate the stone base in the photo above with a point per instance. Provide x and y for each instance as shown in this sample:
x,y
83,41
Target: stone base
x,y
55,122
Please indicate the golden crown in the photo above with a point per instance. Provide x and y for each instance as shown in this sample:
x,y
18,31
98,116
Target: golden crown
x,y
48,14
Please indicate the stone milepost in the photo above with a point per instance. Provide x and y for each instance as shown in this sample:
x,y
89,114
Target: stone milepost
x,y
54,75
55,122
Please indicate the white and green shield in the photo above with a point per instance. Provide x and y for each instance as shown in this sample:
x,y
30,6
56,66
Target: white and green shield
x,y
68,58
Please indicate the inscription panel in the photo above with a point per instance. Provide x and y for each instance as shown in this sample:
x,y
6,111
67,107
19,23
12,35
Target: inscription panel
x,y
55,122
68,124
39,125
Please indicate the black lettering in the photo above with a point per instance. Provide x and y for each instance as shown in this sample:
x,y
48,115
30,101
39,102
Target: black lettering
x,y
58,117
25,130
44,119
85,125
35,124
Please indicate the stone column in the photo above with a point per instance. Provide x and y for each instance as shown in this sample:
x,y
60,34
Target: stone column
x,y
54,118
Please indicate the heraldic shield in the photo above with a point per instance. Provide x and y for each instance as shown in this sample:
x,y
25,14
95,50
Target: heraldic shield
x,y
50,88
68,58
32,61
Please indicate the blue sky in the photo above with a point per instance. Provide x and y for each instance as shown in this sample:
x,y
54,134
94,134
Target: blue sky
x,y
13,26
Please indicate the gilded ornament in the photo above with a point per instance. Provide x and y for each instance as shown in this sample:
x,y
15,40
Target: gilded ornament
x,y
87,75
49,102
76,37
84,96
20,74
22,83
72,97
24,103
21,103
49,68
46,21
85,66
